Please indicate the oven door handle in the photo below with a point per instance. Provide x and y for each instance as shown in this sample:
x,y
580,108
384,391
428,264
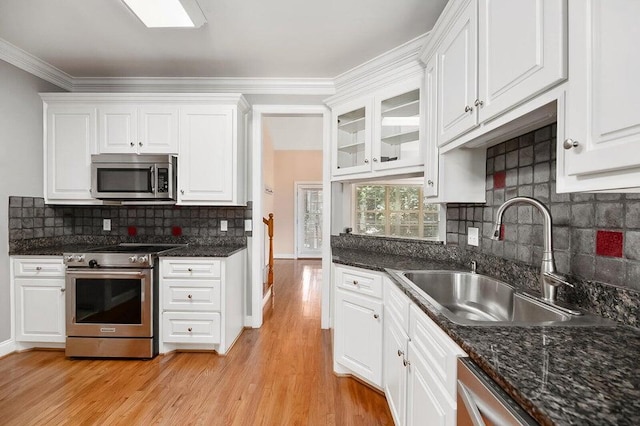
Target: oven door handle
x,y
105,272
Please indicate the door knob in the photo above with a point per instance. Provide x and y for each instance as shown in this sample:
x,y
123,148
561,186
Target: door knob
x,y
570,143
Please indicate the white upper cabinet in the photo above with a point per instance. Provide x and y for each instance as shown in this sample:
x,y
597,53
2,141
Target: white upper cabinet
x,y
352,137
492,56
210,164
379,134
151,129
70,139
398,126
457,76
521,51
600,148
207,131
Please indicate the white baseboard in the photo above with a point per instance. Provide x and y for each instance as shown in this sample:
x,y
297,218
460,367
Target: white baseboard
x,y
266,298
248,321
7,347
284,256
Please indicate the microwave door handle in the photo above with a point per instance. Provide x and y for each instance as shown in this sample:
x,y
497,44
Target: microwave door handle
x,y
152,178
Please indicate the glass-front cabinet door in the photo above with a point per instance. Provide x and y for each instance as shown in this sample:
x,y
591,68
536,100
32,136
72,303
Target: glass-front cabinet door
x,y
352,149
397,137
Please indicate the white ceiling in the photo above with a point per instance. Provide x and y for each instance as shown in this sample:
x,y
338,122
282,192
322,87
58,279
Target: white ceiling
x,y
243,38
294,132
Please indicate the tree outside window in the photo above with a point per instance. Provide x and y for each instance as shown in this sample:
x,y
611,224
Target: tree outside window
x,y
394,210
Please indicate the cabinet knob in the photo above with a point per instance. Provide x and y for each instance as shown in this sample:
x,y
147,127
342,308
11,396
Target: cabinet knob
x,y
468,108
355,282
139,143
366,161
400,353
478,103
406,362
376,316
430,182
570,143
190,269
190,296
38,268
62,290
189,329
375,160
182,191
132,144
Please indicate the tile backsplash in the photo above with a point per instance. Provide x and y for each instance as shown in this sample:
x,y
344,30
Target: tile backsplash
x,y
30,218
596,237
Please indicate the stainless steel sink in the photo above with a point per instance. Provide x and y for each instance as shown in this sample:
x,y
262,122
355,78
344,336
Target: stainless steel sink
x,y
473,299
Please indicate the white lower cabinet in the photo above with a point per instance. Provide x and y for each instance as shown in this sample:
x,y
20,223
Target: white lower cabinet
x,y
39,286
419,364
358,324
202,302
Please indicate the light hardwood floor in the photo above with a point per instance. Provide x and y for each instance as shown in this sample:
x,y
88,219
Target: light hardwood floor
x,y
280,374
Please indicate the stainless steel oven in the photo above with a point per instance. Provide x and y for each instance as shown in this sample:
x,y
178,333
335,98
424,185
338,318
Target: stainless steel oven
x,y
134,177
112,301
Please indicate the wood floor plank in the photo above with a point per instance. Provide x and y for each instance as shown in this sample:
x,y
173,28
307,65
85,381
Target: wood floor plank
x,y
280,374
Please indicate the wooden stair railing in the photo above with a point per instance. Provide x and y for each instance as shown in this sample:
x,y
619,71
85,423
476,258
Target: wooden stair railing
x,y
268,285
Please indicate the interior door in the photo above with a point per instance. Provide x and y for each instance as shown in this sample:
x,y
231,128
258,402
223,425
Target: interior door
x,y
309,220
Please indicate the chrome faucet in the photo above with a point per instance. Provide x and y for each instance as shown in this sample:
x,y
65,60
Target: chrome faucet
x,y
549,279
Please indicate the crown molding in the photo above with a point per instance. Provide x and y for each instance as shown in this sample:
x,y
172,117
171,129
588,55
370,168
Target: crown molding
x,y
393,65
35,66
247,86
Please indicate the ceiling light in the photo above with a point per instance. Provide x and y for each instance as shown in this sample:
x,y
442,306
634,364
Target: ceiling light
x,y
167,13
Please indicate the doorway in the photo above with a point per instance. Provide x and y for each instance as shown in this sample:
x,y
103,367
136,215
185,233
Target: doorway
x,y
308,219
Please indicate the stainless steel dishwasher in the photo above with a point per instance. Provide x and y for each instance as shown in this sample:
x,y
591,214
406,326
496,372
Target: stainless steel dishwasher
x,y
481,402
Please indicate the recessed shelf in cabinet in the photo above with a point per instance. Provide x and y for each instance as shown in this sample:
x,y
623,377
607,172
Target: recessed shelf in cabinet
x,y
404,110
352,148
400,138
352,126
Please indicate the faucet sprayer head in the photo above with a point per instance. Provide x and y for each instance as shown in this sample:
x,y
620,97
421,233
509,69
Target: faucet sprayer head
x,y
496,231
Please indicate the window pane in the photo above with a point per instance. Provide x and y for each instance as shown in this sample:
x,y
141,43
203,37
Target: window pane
x,y
394,210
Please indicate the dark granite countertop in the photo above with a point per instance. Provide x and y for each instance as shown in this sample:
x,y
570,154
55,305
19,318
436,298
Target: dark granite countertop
x,y
203,251
559,375
190,250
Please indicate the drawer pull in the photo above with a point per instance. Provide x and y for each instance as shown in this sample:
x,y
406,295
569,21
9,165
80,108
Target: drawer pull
x,y
38,268
189,329
190,269
190,296
355,282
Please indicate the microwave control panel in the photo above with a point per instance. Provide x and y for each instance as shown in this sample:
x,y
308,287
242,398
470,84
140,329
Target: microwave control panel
x,y
163,180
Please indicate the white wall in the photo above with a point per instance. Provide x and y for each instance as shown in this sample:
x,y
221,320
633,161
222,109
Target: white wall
x,y
294,133
20,159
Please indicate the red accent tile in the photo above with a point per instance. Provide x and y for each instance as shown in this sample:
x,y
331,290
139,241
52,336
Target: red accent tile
x,y
176,231
499,180
609,243
132,231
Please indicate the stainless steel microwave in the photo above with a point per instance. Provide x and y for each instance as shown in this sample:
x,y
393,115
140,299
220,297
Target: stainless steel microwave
x,y
134,177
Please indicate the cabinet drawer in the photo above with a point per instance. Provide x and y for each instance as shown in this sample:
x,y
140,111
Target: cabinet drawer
x,y
441,351
396,303
191,327
359,281
191,295
190,268
38,267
